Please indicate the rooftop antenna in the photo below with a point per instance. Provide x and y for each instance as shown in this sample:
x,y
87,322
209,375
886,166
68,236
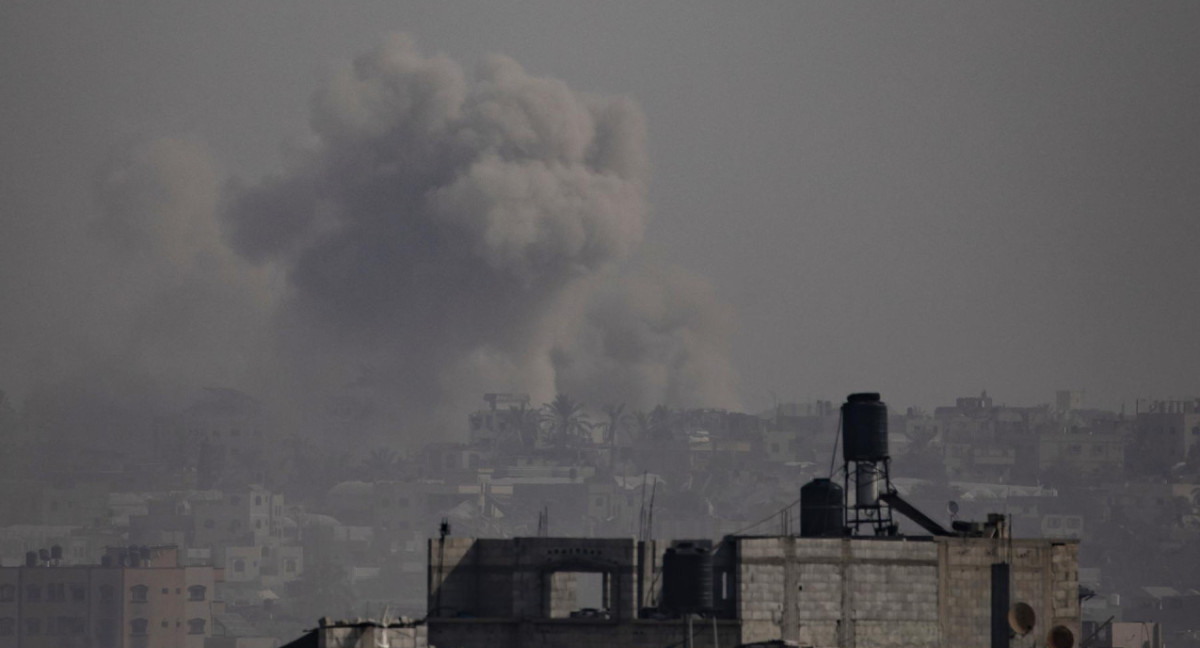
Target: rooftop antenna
x,y
649,535
642,510
443,531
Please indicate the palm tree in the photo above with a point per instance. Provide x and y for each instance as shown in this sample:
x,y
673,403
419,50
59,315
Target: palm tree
x,y
521,424
617,419
566,420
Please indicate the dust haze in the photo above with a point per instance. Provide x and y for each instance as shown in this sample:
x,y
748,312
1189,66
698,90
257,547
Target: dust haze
x,y
438,234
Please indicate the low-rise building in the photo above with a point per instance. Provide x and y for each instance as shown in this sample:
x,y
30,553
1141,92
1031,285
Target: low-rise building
x,y
821,592
138,597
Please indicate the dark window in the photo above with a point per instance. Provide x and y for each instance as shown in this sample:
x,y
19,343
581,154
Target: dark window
x,y
7,593
56,592
7,626
106,593
33,626
290,565
197,592
239,565
138,626
166,590
165,624
196,626
78,592
33,593
257,502
138,593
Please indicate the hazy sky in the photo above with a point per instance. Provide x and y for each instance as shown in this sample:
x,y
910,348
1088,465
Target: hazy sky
x,y
924,199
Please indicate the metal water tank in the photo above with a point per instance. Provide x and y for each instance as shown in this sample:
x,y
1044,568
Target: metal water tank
x,y
822,509
864,428
688,577
868,479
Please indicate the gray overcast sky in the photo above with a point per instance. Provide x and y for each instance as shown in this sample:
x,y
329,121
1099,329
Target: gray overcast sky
x,y
926,199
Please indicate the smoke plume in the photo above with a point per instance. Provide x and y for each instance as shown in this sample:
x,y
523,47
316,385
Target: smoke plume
x,y
434,238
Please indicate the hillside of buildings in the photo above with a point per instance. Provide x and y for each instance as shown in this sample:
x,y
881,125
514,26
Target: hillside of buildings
x,y
264,530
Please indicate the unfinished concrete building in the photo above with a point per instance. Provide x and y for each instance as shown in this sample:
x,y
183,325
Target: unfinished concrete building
x,y
848,580
845,592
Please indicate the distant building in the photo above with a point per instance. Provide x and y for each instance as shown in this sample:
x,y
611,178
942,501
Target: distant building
x,y
1165,433
1068,400
139,597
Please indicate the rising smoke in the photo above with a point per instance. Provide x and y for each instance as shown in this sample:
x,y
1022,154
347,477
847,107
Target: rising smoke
x,y
434,239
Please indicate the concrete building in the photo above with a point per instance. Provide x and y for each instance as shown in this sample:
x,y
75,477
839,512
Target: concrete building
x,y
821,592
139,598
246,517
1165,433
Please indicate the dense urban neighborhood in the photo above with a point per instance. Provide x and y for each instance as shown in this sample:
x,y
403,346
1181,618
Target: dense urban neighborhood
x,y
216,527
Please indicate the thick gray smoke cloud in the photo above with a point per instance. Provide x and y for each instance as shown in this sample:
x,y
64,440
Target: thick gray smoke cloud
x,y
435,238
443,238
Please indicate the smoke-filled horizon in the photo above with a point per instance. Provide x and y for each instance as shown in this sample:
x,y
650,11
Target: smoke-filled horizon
x,y
436,237
731,203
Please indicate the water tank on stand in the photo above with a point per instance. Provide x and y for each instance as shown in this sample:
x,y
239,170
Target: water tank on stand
x,y
688,577
865,465
822,511
864,428
867,478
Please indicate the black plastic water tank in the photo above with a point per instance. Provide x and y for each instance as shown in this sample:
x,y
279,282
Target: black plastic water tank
x,y
864,428
822,509
687,577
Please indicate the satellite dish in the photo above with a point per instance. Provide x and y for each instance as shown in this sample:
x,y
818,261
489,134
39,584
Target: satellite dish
x,y
1060,637
952,507
1021,618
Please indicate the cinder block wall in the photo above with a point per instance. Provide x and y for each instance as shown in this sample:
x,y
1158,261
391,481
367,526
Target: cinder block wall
x,y
896,592
1045,575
